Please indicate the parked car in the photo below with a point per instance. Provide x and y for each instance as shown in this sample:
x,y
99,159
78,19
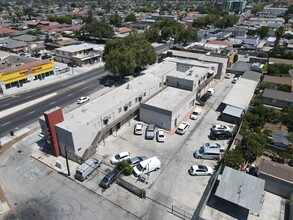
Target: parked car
x,y
207,153
82,100
36,55
196,112
235,80
120,157
210,92
220,128
214,145
110,178
200,170
87,168
220,135
147,166
46,56
150,132
138,128
25,54
182,128
109,82
160,135
136,160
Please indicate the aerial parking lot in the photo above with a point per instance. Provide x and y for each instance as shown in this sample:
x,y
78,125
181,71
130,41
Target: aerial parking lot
x,y
172,183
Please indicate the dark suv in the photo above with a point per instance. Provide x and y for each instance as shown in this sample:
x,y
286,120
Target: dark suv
x,y
110,178
220,135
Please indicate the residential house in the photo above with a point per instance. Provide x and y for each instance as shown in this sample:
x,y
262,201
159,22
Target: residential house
x,y
277,98
276,81
280,139
13,46
4,32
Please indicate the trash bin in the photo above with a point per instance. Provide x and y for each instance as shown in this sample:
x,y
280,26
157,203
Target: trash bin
x,y
11,133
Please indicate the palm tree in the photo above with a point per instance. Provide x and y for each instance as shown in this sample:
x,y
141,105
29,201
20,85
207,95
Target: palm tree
x,y
279,34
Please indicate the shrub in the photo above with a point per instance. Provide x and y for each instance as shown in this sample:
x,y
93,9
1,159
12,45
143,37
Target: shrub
x,y
126,167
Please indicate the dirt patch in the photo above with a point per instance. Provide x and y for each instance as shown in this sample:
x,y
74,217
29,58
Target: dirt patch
x,y
273,127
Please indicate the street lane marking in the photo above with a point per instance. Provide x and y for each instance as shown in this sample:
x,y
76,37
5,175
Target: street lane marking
x,y
32,174
52,103
70,94
84,88
31,112
6,123
17,168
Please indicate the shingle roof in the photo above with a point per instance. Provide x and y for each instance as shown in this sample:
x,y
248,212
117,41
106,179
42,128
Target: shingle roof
x,y
277,60
278,80
6,30
9,43
280,136
278,95
278,170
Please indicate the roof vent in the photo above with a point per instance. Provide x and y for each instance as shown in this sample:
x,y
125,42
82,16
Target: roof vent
x,y
128,86
190,72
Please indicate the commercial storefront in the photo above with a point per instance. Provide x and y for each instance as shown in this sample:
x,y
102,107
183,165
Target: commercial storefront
x,y
19,75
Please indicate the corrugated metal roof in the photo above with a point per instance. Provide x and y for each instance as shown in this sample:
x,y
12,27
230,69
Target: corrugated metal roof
x,y
241,93
233,111
242,189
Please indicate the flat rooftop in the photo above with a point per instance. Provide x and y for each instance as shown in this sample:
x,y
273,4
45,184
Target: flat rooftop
x,y
193,74
241,93
95,109
169,98
75,48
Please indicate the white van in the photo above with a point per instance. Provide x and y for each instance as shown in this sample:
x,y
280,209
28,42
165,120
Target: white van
x,y
84,170
147,166
208,153
196,112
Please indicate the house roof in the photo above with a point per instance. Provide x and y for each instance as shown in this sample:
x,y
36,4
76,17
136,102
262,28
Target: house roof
x,y
280,136
124,30
26,38
242,189
220,42
59,30
277,60
278,95
275,169
42,23
6,30
278,80
252,75
9,43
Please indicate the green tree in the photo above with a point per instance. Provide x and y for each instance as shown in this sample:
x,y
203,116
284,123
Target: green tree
x,y
126,167
279,34
233,158
124,57
284,88
235,58
130,18
96,29
257,8
153,34
29,12
187,36
116,20
287,118
263,31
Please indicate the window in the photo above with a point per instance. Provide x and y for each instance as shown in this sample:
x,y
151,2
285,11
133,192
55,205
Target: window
x,y
119,110
136,99
130,104
144,94
160,84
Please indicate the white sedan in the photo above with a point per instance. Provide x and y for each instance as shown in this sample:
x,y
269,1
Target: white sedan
x,y
138,128
82,100
200,170
182,128
214,145
220,128
120,157
160,135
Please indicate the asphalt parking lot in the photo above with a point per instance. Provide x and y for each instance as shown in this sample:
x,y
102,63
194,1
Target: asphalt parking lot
x,y
172,184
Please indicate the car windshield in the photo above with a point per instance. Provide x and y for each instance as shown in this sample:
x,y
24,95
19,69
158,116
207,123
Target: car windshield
x,y
161,135
201,151
117,157
139,167
202,167
195,113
